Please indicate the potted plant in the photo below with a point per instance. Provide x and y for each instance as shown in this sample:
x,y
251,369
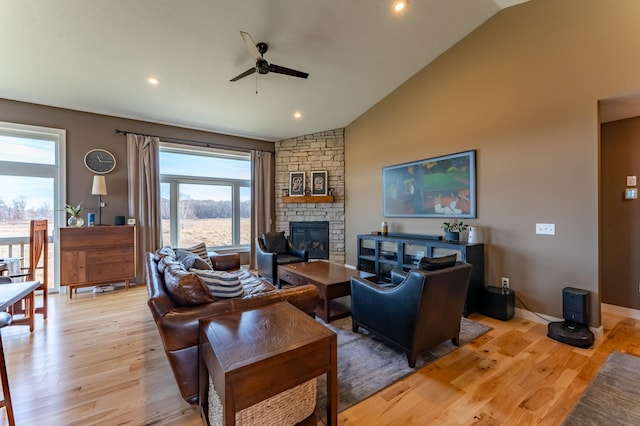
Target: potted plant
x,y
74,211
453,228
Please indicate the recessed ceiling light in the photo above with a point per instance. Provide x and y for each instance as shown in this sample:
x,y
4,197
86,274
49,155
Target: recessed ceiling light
x,y
400,6
154,81
297,115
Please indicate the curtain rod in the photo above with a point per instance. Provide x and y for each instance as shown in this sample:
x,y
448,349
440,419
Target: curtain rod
x,y
190,141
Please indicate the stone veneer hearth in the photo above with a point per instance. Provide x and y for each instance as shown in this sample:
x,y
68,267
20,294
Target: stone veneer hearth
x,y
318,151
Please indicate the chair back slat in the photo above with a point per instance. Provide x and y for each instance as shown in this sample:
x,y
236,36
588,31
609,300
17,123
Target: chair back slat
x,y
38,240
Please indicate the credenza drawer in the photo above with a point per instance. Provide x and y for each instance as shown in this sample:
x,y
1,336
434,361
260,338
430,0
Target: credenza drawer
x,y
104,272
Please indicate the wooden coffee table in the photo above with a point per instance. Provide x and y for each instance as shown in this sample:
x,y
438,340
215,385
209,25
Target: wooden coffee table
x,y
255,354
333,281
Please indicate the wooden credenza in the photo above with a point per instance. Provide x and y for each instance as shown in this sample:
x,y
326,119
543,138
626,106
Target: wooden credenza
x,y
95,255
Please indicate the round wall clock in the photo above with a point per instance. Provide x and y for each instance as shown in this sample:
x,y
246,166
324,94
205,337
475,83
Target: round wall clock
x,y
100,161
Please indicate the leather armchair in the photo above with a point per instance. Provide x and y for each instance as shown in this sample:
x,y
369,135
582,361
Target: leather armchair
x,y
423,310
274,249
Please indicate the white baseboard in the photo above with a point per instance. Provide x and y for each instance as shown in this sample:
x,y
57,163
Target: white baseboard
x,y
530,316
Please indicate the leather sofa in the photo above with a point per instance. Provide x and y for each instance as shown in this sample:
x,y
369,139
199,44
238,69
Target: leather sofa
x,y
178,325
420,309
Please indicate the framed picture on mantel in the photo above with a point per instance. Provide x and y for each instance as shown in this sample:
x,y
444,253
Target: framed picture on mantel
x,y
319,183
296,184
439,187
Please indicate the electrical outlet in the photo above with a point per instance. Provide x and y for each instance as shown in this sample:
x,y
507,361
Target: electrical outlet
x,y
546,228
505,283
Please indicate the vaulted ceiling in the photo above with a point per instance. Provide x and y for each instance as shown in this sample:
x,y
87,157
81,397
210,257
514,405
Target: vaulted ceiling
x,y
95,56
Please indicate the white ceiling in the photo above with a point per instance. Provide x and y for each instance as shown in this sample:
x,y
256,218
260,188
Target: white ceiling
x,y
94,55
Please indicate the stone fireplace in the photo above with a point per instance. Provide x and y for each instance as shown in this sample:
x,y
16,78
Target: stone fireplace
x,y
323,151
311,236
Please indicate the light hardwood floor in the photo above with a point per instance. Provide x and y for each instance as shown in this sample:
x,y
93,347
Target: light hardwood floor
x,y
99,360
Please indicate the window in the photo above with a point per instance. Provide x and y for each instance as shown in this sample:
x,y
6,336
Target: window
x,y
32,182
205,196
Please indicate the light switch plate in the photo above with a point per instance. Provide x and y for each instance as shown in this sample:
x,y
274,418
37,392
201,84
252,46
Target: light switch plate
x,y
631,181
546,228
630,194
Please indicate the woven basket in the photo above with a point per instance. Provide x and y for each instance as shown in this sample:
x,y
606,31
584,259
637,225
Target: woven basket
x,y
286,408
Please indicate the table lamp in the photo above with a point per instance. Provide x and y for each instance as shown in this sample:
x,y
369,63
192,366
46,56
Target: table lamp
x,y
99,188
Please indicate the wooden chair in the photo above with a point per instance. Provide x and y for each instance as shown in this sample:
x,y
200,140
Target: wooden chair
x,y
38,242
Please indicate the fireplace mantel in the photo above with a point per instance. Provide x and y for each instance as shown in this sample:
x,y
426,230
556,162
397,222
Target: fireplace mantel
x,y
309,199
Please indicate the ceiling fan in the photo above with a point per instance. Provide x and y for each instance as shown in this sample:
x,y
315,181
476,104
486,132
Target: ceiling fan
x,y
262,66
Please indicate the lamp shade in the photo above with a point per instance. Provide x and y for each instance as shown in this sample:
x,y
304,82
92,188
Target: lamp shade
x,y
99,186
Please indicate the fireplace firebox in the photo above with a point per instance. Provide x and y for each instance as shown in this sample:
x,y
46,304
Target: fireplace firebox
x,y
311,236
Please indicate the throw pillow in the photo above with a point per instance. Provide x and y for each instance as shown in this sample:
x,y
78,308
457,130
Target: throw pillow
x,y
162,252
165,262
221,284
435,263
163,256
275,242
185,288
191,260
201,250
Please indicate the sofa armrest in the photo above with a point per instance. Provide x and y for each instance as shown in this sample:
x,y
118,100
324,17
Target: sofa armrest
x,y
225,262
266,261
397,276
391,311
303,254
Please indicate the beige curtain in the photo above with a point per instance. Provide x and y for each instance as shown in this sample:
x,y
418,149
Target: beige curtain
x,y
262,197
144,195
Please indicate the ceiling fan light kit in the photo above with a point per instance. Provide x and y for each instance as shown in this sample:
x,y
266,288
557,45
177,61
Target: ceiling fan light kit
x,y
400,6
257,50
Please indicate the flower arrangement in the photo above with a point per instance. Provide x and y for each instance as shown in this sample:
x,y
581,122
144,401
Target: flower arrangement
x,y
454,225
74,211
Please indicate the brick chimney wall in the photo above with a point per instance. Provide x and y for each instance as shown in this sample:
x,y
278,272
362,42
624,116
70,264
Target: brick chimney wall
x,y
316,152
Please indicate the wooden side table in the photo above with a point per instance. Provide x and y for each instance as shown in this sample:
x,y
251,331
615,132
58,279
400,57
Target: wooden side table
x,y
255,354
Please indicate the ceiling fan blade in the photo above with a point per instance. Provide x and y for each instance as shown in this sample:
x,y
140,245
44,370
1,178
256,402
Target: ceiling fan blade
x,y
287,71
244,74
251,45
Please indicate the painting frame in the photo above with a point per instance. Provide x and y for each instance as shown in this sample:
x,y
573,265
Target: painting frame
x,y
296,184
319,182
447,187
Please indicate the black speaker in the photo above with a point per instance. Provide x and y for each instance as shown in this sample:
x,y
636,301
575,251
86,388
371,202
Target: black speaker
x,y
575,305
119,220
497,303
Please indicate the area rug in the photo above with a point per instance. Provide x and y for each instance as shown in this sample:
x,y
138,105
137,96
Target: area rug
x,y
367,364
613,397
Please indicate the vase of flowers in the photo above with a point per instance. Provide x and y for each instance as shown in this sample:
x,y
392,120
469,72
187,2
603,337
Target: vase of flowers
x,y
453,228
74,211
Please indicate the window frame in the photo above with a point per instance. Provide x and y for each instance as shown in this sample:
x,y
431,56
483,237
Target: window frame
x,y
175,181
55,171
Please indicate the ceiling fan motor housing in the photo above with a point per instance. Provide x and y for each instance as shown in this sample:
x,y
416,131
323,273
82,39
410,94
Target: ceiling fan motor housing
x,y
262,48
262,66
